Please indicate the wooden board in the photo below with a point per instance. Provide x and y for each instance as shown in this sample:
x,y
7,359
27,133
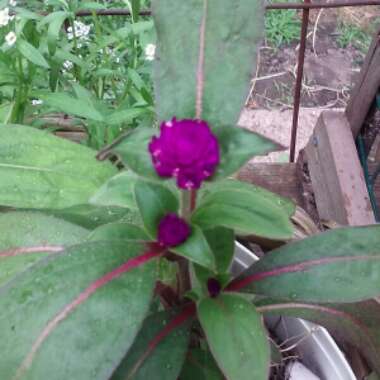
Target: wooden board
x,y
366,87
281,179
336,174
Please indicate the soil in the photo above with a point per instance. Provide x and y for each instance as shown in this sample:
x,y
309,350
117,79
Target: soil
x,y
330,71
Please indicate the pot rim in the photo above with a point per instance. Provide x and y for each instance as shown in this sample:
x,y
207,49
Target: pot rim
x,y
318,350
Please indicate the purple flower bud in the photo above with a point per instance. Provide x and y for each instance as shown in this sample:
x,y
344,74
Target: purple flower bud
x,y
172,230
187,150
213,287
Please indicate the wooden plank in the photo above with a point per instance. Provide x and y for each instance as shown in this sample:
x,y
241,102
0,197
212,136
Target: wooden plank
x,y
337,177
281,179
366,88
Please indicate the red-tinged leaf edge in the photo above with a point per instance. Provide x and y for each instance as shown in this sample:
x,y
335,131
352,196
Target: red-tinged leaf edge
x,y
30,250
178,320
68,309
240,283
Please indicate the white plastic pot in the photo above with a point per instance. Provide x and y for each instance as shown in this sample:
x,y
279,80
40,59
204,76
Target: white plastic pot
x,y
316,348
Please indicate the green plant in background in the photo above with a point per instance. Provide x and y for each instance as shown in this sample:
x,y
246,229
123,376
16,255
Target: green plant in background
x,y
82,294
282,26
94,70
351,35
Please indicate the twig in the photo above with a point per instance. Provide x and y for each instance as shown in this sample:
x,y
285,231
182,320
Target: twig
x,y
315,30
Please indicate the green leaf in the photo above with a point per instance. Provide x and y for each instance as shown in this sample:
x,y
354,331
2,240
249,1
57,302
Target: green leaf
x,y
31,53
354,323
236,336
133,151
55,27
246,209
200,365
167,358
32,229
72,106
77,312
62,55
89,216
91,5
28,229
237,146
230,49
341,265
118,231
222,243
39,170
136,6
154,202
196,249
125,116
118,191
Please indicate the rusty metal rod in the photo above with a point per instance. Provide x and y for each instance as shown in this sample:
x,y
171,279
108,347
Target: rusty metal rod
x,y
335,4
298,86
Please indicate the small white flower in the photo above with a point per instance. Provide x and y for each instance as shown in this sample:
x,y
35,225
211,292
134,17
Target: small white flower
x,y
12,3
37,102
68,65
81,31
11,38
4,17
150,52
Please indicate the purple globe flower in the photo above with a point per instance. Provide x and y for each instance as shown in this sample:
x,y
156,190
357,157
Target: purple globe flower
x,y
214,287
187,150
172,230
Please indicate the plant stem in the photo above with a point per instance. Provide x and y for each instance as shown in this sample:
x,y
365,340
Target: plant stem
x,y
185,205
188,203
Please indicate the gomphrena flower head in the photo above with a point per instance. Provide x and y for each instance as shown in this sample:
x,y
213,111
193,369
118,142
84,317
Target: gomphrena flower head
x,y
213,287
187,150
172,230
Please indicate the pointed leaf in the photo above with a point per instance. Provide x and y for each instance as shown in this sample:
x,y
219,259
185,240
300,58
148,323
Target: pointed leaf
x,y
77,312
165,360
22,231
118,231
31,53
118,191
39,170
246,209
125,116
199,52
238,145
222,243
196,249
90,217
341,265
55,27
236,336
72,106
154,202
133,151
354,323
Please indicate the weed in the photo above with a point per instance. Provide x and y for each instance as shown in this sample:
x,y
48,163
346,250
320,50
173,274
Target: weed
x,y
282,26
351,35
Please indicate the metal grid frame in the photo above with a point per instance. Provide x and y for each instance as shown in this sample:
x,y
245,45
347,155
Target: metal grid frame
x,y
305,6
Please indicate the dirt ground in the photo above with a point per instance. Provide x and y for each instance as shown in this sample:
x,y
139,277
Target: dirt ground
x,y
329,75
330,70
